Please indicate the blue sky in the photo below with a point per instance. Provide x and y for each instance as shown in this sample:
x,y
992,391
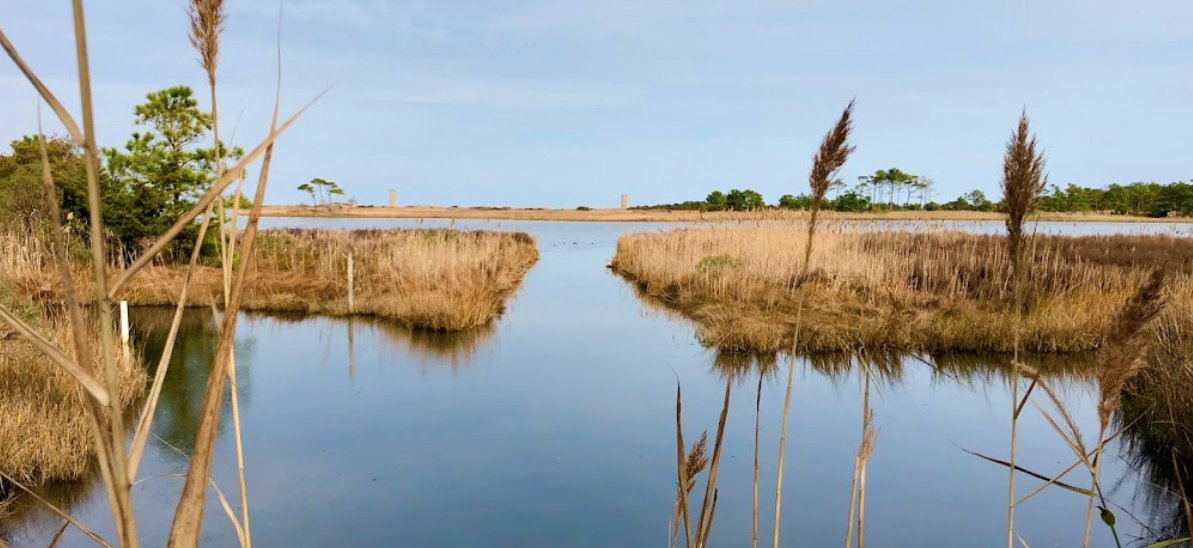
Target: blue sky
x,y
560,104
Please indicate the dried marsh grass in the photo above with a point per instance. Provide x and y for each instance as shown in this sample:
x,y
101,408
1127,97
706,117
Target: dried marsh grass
x,y
442,279
45,435
935,291
431,278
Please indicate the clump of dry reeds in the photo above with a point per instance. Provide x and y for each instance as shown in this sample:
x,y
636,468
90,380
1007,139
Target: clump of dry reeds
x,y
935,291
45,435
436,279
443,279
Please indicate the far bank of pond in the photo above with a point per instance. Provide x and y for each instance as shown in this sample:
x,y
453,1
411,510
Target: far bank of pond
x,y
554,426
927,291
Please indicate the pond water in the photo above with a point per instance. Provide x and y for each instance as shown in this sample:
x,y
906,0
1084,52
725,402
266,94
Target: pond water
x,y
555,426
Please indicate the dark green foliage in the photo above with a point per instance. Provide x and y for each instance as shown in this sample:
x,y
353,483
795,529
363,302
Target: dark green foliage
x,y
1139,198
161,171
321,191
744,200
22,195
734,200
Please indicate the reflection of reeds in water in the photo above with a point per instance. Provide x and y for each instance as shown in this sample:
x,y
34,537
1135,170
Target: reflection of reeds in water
x,y
857,489
456,348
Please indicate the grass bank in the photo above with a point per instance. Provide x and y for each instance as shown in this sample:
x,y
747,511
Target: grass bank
x,y
662,215
441,279
45,435
893,291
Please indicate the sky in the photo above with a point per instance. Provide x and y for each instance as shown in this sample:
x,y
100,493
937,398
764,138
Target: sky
x,y
564,103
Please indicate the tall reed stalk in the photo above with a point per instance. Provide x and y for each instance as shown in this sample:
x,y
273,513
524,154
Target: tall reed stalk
x,y
1023,183
118,463
207,20
834,151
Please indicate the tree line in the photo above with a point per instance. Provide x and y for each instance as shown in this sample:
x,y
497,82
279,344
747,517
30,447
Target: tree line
x,y
158,175
897,190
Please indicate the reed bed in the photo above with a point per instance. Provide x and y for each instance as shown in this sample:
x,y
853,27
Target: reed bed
x,y
934,291
45,435
441,279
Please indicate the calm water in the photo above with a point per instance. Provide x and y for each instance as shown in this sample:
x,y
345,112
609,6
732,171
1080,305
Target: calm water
x,y
555,427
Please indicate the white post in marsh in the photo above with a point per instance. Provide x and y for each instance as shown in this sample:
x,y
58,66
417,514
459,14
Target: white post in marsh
x,y
351,287
124,331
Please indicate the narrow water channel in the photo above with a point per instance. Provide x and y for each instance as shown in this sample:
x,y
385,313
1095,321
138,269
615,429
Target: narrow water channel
x,y
556,427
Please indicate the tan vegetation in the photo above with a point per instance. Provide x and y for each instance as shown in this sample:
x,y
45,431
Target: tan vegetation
x,y
640,215
45,434
933,291
436,278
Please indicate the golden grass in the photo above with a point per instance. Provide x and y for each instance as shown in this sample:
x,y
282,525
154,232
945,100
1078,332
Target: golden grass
x,y
45,434
894,291
638,215
436,279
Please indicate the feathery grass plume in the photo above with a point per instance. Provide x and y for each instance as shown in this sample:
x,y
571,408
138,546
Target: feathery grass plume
x,y
694,464
1122,356
834,151
207,22
1023,182
1119,360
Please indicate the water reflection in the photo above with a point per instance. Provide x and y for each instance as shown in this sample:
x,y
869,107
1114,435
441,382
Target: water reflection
x,y
890,368
177,418
1158,444
430,348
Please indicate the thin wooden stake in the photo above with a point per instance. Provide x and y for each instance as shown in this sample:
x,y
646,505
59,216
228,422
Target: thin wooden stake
x,y
351,287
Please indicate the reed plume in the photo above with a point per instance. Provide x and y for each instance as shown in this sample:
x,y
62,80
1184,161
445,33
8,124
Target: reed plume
x,y
693,464
1023,182
834,151
1119,360
207,22
1122,356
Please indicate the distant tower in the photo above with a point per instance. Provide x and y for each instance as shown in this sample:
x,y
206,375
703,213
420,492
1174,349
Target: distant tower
x,y
393,198
625,201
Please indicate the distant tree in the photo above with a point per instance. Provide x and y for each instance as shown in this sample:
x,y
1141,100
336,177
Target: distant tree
x,y
22,198
321,190
161,171
894,179
306,187
716,200
787,201
850,202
